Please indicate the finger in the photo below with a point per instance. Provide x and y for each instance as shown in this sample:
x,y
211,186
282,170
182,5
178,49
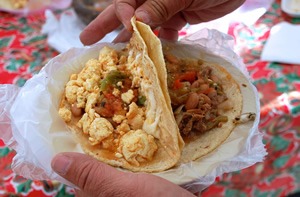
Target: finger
x,y
168,34
91,176
215,11
125,11
106,22
97,179
80,193
169,30
156,12
123,36
224,8
204,4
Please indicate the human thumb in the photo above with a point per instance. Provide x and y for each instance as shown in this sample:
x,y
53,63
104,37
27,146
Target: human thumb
x,y
94,178
156,12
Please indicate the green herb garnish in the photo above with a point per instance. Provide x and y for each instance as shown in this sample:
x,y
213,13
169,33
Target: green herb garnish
x,y
112,78
141,100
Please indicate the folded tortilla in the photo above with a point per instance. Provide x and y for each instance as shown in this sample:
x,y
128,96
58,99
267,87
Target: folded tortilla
x,y
204,143
201,143
142,134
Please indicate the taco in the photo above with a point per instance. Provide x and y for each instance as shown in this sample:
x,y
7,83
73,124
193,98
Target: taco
x,y
118,111
205,97
205,100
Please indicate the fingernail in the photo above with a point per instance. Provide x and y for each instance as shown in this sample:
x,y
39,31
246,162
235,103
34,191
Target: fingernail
x,y
143,16
61,164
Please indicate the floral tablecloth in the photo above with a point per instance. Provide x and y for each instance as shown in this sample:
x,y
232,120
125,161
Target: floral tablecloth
x,y
24,51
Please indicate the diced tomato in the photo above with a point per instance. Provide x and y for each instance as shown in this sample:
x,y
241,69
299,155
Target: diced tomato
x,y
126,85
105,111
136,95
189,76
113,105
109,96
117,105
177,84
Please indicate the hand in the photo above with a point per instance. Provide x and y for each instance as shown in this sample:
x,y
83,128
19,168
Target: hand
x,y
169,15
98,179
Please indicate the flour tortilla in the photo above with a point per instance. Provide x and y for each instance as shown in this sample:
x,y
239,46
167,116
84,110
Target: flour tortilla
x,y
154,50
208,141
159,122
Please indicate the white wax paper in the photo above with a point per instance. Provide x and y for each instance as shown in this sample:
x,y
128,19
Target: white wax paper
x,y
30,123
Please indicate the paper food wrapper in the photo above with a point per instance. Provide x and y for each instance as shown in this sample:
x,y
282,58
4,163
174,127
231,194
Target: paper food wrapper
x,y
30,124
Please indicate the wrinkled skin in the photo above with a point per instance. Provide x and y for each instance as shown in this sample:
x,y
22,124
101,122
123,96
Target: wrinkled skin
x,y
169,15
96,179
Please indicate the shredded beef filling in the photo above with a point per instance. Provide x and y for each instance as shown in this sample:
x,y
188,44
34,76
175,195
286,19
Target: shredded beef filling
x,y
196,94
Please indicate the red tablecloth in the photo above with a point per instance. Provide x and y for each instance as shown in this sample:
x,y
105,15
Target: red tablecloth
x,y
24,51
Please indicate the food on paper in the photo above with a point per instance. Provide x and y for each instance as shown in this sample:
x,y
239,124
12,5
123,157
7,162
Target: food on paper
x,y
205,101
143,108
205,97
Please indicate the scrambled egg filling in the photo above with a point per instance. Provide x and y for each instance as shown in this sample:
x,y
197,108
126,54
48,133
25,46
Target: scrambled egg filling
x,y
106,103
137,146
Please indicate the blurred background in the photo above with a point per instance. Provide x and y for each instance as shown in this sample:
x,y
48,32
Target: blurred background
x,y
266,36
